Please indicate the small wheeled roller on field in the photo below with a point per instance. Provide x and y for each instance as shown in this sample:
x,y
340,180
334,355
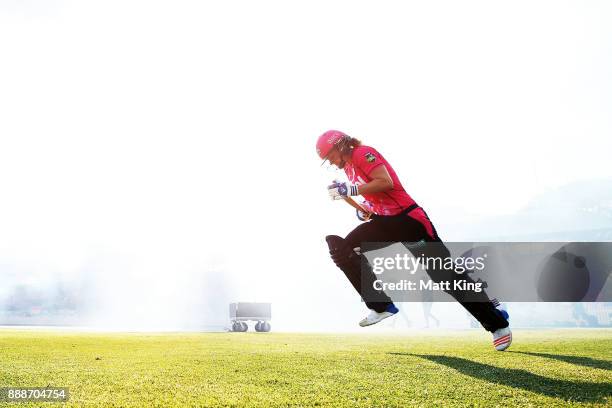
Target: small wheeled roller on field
x,y
241,313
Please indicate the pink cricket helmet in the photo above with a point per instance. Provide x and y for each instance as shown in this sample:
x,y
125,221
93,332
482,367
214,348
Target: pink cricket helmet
x,y
328,140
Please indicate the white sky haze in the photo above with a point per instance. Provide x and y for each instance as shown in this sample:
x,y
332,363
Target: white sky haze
x,y
171,141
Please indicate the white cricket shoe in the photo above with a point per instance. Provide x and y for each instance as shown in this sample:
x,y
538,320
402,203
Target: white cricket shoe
x,y
375,317
502,338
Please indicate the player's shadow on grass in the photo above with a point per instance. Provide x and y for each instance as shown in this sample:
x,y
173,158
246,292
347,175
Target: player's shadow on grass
x,y
577,360
567,390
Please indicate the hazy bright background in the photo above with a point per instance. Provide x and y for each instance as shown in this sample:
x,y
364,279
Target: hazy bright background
x,y
158,157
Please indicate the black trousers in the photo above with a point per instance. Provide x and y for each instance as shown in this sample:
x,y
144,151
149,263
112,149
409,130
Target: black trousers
x,y
403,228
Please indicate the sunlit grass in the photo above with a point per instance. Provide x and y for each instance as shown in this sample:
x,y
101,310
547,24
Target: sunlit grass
x,y
461,368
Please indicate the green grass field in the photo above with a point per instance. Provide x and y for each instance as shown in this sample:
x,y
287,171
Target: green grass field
x,y
543,368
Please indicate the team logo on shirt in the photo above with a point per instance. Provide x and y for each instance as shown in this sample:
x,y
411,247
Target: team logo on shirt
x,y
370,157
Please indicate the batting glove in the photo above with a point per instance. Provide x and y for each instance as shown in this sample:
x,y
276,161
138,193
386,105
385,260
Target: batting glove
x,y
363,216
340,190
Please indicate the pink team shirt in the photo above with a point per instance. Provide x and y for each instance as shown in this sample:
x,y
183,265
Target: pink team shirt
x,y
364,160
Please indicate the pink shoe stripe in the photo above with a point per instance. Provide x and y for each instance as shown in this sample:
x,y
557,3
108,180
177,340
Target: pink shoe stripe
x,y
502,339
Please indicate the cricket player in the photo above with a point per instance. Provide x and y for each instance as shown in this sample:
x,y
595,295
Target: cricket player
x,y
392,216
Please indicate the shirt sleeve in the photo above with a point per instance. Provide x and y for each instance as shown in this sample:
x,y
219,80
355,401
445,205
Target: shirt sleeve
x,y
367,159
